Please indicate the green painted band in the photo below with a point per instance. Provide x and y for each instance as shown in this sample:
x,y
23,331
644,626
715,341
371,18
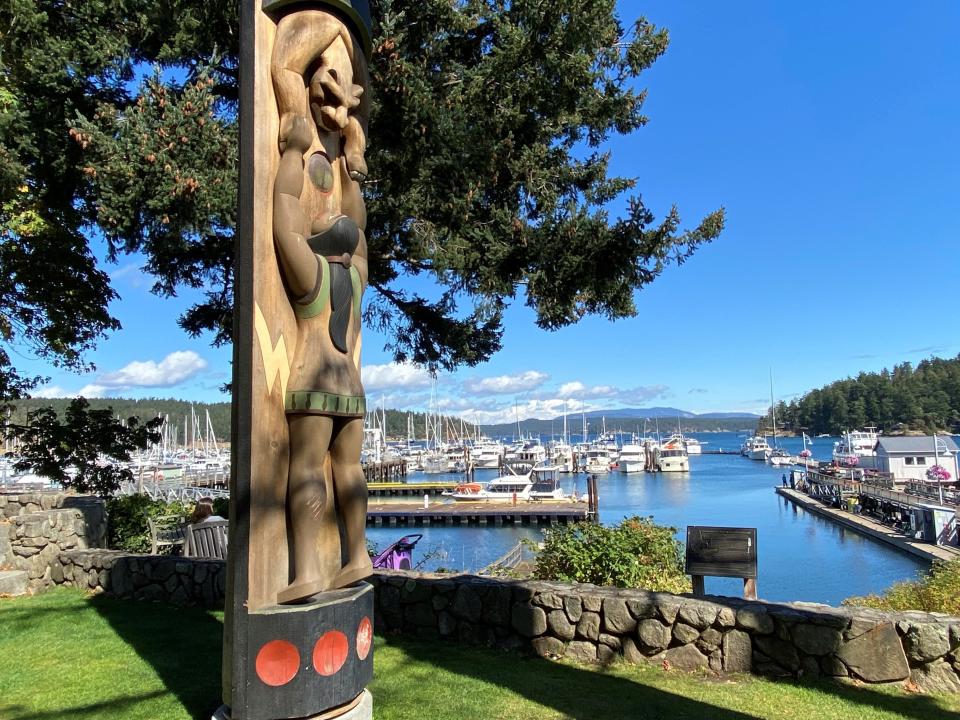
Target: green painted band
x,y
319,302
324,403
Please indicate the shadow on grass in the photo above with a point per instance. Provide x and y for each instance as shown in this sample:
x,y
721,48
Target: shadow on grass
x,y
182,645
587,694
582,694
898,702
107,708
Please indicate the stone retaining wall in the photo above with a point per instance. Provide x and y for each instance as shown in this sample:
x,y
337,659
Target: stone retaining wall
x,y
592,624
166,578
36,527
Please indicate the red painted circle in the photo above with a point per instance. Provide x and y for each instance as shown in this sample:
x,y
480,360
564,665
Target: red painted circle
x,y
364,638
277,663
330,653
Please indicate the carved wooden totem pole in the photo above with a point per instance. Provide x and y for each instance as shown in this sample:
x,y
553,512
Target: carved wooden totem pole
x,y
298,631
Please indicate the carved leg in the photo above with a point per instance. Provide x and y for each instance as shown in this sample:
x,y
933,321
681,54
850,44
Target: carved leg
x,y
306,500
350,487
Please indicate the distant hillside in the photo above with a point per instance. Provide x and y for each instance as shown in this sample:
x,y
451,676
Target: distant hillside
x,y
618,423
178,412
658,412
924,398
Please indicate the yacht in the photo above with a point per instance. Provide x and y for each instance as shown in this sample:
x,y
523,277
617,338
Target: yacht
x,y
511,485
632,458
672,457
693,446
487,454
852,447
756,448
546,483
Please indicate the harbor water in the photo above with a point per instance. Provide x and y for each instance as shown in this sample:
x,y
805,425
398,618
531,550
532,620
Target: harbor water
x,y
800,556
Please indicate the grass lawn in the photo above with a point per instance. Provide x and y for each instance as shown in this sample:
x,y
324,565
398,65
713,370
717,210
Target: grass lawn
x,y
65,654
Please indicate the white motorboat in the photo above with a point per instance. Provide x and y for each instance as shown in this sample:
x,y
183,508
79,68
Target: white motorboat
x,y
510,486
546,483
632,458
853,447
693,446
756,448
672,457
487,454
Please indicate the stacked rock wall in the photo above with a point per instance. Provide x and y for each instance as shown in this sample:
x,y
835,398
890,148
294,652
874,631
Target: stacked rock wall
x,y
166,578
593,624
36,527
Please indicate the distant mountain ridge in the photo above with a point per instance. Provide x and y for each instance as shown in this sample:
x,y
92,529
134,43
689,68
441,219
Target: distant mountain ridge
x,y
630,420
658,412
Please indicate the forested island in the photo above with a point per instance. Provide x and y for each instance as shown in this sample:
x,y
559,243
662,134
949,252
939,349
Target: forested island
x,y
180,413
925,398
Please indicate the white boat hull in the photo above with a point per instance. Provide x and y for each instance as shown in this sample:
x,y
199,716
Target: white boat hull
x,y
674,464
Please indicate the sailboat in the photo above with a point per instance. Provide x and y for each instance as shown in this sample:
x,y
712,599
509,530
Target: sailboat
x,y
777,456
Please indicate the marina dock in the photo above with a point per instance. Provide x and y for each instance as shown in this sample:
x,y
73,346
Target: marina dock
x,y
385,471
870,528
403,489
477,513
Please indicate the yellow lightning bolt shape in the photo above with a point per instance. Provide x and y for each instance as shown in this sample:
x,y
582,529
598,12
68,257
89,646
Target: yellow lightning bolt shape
x,y
275,362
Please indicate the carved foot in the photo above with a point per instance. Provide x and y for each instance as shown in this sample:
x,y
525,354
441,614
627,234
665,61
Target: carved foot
x,y
300,592
354,572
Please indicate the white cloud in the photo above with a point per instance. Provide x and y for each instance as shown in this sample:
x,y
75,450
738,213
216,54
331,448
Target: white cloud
x,y
172,370
53,391
577,389
506,384
92,391
394,375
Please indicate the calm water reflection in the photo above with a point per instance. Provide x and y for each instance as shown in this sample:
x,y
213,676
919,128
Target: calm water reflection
x,y
801,556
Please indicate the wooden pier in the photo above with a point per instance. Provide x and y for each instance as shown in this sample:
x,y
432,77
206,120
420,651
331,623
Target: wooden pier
x,y
872,529
403,489
479,513
386,471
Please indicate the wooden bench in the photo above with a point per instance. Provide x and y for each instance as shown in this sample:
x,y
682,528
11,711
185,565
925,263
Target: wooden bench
x,y
207,540
166,532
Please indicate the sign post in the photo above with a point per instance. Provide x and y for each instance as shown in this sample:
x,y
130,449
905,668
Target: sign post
x,y
722,552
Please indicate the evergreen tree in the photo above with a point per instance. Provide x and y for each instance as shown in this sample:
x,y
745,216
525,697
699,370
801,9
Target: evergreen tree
x,y
488,171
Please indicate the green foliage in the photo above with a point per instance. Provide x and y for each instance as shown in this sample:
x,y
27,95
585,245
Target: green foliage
x,y
127,515
73,450
145,409
488,165
938,591
925,398
635,553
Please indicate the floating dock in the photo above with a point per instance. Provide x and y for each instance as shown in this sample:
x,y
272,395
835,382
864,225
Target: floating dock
x,y
870,528
477,513
386,471
401,489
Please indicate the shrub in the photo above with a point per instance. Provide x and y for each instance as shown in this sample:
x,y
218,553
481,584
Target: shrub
x,y
127,520
635,553
938,591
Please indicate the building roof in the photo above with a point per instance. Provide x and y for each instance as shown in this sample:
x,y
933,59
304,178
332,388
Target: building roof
x,y
922,445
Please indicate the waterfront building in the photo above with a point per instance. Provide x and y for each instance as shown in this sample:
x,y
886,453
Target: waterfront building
x,y
909,458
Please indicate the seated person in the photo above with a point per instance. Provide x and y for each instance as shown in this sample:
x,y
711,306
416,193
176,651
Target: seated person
x,y
203,512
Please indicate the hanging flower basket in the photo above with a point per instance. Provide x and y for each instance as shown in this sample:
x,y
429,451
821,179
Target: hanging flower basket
x,y
851,461
805,453
938,473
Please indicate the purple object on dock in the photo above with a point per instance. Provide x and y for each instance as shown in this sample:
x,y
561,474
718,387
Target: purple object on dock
x,y
399,555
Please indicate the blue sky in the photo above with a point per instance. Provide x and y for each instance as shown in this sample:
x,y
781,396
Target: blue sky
x,y
830,132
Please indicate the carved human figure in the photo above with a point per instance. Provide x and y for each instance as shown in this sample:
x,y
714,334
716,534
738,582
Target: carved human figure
x,y
319,74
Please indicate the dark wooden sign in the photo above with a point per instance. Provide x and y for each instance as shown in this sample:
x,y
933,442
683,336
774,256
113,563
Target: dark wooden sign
x,y
721,551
